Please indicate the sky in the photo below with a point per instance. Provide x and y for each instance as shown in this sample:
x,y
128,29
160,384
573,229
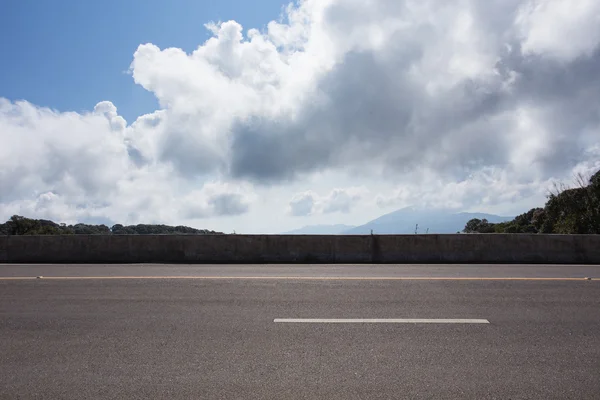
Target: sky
x,y
262,117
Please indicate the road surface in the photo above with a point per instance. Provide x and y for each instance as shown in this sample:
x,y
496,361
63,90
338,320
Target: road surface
x,y
299,332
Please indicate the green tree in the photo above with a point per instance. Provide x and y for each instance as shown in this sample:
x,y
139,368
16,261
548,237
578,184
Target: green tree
x,y
567,211
477,225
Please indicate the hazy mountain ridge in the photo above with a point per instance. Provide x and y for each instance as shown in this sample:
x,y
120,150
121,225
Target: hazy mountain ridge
x,y
405,221
320,230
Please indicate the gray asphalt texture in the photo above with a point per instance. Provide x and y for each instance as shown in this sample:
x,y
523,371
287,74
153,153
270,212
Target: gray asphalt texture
x,y
304,270
215,339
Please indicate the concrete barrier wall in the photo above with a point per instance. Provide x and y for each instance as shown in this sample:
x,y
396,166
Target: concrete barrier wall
x,y
3,248
474,248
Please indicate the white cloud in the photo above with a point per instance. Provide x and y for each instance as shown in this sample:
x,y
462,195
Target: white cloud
x,y
562,29
490,189
69,167
75,155
217,199
462,103
340,200
481,190
302,204
341,85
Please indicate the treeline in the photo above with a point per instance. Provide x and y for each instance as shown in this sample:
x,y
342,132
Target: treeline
x,y
567,211
18,225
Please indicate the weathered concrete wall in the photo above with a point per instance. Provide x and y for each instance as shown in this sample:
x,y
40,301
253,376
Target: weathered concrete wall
x,y
3,247
491,248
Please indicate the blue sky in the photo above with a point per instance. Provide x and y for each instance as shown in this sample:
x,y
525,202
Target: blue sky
x,y
71,54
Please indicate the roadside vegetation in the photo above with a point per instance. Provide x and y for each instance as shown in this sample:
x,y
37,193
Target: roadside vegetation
x,y
18,225
567,211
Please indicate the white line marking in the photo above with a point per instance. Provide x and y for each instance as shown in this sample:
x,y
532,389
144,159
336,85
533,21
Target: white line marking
x,y
380,321
302,278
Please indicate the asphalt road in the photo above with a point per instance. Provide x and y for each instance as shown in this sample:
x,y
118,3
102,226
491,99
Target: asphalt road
x,y
207,338
302,270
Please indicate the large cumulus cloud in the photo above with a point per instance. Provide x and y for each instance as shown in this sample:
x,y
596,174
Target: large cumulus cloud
x,y
83,167
399,86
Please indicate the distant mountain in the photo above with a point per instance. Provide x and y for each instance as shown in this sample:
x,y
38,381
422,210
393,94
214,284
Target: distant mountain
x,y
437,221
320,230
